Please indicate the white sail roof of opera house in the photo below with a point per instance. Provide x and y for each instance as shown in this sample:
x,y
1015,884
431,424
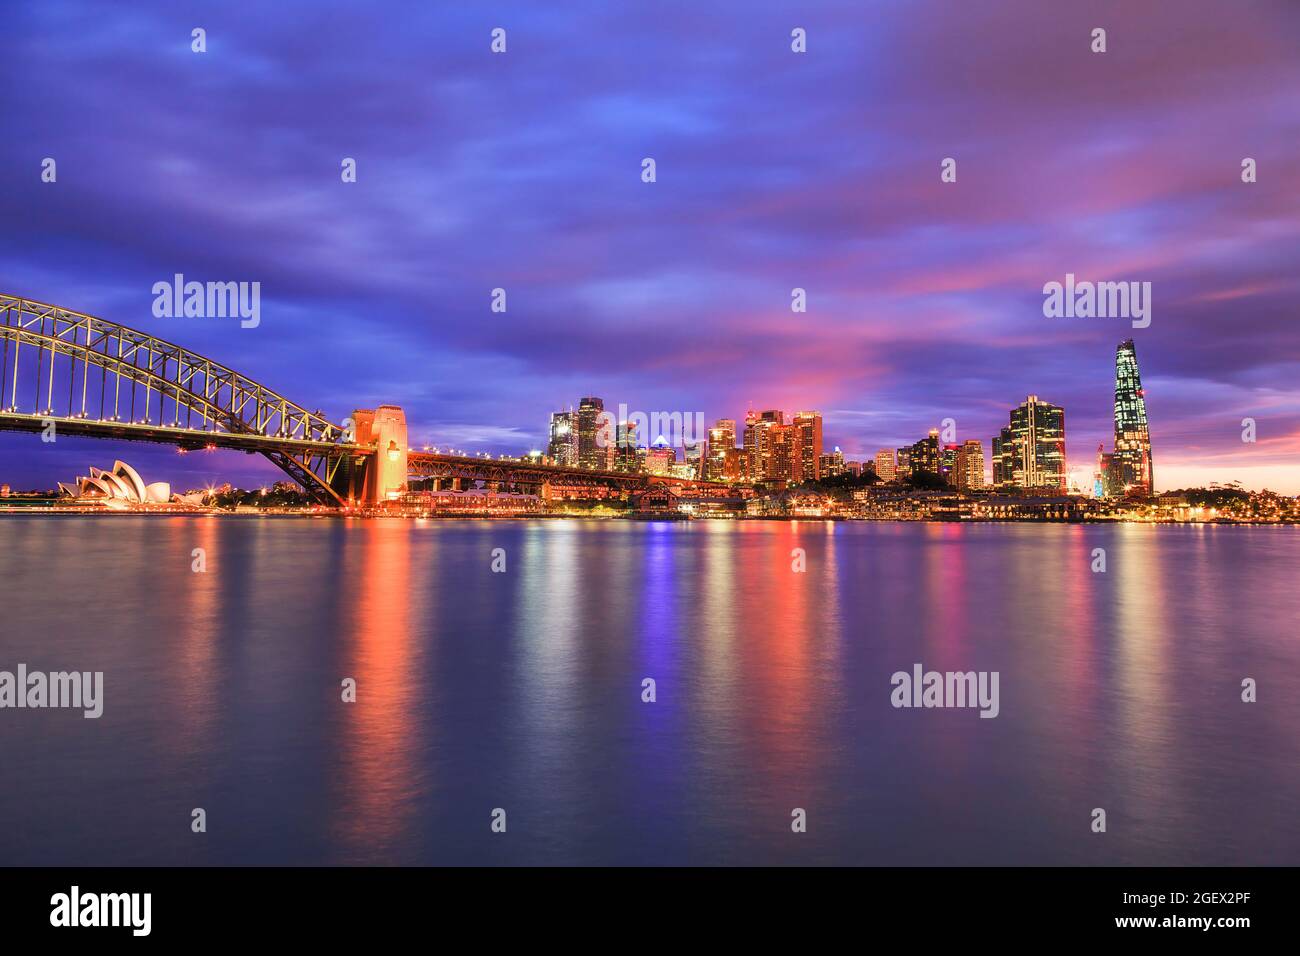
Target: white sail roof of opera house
x,y
120,484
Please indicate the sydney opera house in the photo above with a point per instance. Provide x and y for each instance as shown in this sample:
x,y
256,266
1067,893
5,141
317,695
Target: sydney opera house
x,y
123,488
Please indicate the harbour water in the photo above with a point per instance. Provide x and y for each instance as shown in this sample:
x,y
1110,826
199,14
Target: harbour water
x,y
522,690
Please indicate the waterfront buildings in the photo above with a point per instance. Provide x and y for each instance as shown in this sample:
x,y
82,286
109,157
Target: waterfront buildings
x,y
1030,451
587,438
776,451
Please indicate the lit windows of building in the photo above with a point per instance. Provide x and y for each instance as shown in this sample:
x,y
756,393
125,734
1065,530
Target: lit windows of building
x,y
968,473
1030,451
1131,461
625,451
784,461
885,464
948,463
903,463
593,452
562,449
760,428
833,464
721,462
660,458
808,426
924,455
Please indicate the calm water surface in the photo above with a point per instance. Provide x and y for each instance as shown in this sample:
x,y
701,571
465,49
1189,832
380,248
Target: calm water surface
x,y
522,690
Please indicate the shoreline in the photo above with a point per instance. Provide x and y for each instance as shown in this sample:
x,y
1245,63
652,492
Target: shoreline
x,y
334,515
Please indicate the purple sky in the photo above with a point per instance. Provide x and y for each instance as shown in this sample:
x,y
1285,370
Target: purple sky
x,y
775,170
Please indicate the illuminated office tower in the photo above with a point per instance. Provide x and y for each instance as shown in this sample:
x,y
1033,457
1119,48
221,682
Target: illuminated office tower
x,y
968,473
903,463
809,428
625,453
693,454
1003,444
759,430
660,458
784,461
948,463
885,464
1131,462
593,451
563,446
749,439
1030,451
925,454
722,441
833,464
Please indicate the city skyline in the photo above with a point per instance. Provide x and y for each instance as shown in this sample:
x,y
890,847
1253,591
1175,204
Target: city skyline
x,y
474,172
590,436
650,436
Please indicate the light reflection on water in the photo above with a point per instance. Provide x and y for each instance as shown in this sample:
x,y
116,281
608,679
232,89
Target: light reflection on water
x,y
522,690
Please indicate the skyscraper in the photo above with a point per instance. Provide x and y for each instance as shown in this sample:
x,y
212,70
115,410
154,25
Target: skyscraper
x,y
722,444
625,454
759,427
925,454
593,452
563,447
903,463
1003,472
784,462
969,471
809,428
948,462
885,464
1130,465
1030,451
832,464
660,459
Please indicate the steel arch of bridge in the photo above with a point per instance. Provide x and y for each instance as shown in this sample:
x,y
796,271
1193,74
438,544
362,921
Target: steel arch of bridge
x,y
188,399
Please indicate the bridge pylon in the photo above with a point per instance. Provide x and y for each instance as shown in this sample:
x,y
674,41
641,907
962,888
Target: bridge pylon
x,y
382,476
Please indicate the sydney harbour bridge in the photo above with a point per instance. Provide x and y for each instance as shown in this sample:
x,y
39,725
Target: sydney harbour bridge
x,y
97,379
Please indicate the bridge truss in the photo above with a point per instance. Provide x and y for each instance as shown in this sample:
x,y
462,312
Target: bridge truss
x,y
97,378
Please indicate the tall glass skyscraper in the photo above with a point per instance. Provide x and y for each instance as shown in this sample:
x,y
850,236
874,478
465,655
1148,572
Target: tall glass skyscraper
x,y
563,445
591,452
1130,466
